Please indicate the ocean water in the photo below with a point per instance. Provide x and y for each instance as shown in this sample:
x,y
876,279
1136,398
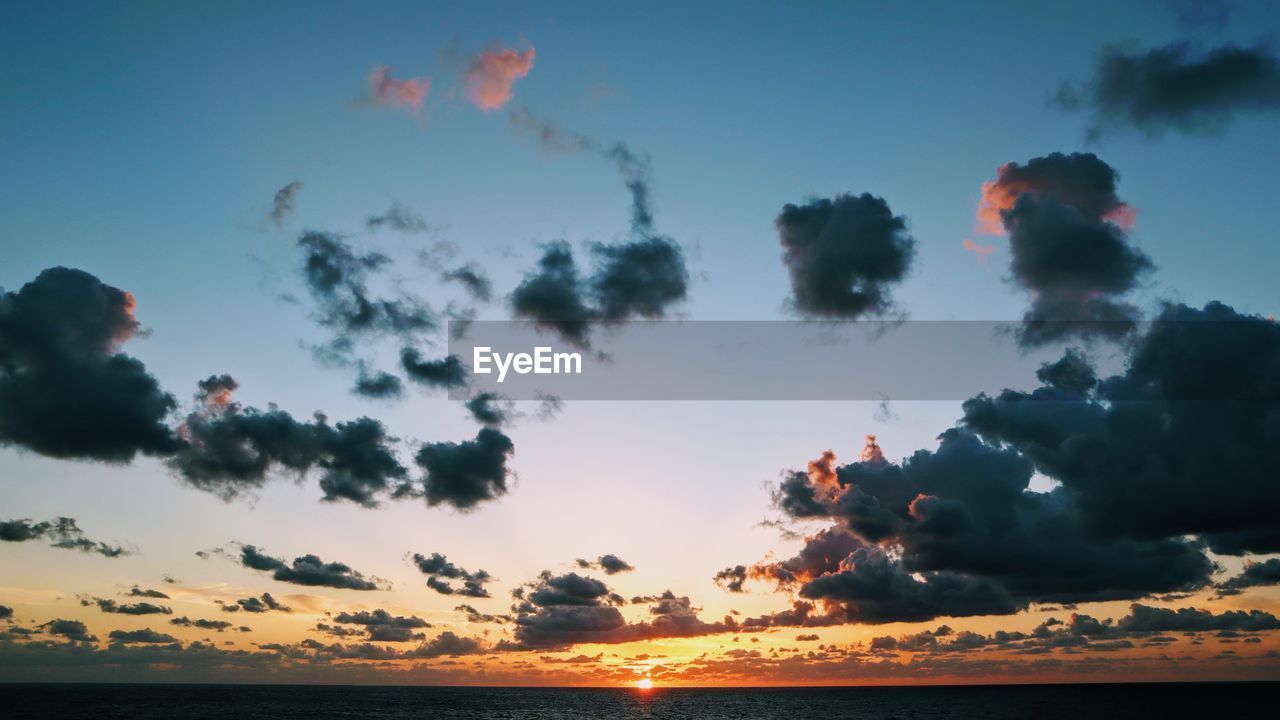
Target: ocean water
x,y
250,702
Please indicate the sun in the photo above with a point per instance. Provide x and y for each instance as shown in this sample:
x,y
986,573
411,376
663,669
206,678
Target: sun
x,y
644,684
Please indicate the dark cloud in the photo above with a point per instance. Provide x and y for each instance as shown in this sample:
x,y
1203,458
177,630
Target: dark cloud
x,y
69,629
968,537
440,571
464,474
145,636
265,603
230,450
378,385
107,605
638,279
6,612
1068,245
609,564
958,530
491,409
1196,401
473,279
446,372
475,616
201,623
641,277
60,532
844,255
66,391
399,218
874,588
553,296
308,570
136,591
1255,574
1146,619
1176,87
447,644
559,611
733,579
282,203
337,277
381,626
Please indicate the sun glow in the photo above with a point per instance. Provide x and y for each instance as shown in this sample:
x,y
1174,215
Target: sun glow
x,y
644,684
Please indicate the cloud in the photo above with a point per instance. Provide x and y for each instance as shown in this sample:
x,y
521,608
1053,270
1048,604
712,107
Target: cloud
x,y
491,74
609,564
464,474
821,554
844,255
381,626
1133,453
638,279
265,603
107,605
446,372
378,385
1255,574
559,611
553,295
201,623
1068,245
409,93
399,218
1175,87
980,252
136,591
337,277
958,532
1080,180
65,389
230,449
282,203
69,629
733,579
439,571
475,616
491,409
145,636
308,570
473,279
641,277
60,532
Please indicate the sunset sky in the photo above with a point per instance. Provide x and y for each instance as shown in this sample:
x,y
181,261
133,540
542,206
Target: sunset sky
x,y
234,236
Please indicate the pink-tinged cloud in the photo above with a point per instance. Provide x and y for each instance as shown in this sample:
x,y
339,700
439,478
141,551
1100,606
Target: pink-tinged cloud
x,y
491,75
386,90
1073,179
982,252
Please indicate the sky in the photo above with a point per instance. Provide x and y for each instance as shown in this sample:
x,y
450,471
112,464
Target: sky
x,y
220,219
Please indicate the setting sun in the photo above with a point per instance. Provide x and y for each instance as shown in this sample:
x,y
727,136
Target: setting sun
x,y
644,684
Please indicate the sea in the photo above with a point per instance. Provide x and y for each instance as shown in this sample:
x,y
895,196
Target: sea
x,y
995,702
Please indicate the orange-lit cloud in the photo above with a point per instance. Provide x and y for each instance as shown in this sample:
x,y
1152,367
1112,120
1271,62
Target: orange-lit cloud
x,y
822,470
1013,180
871,452
981,252
491,74
386,90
